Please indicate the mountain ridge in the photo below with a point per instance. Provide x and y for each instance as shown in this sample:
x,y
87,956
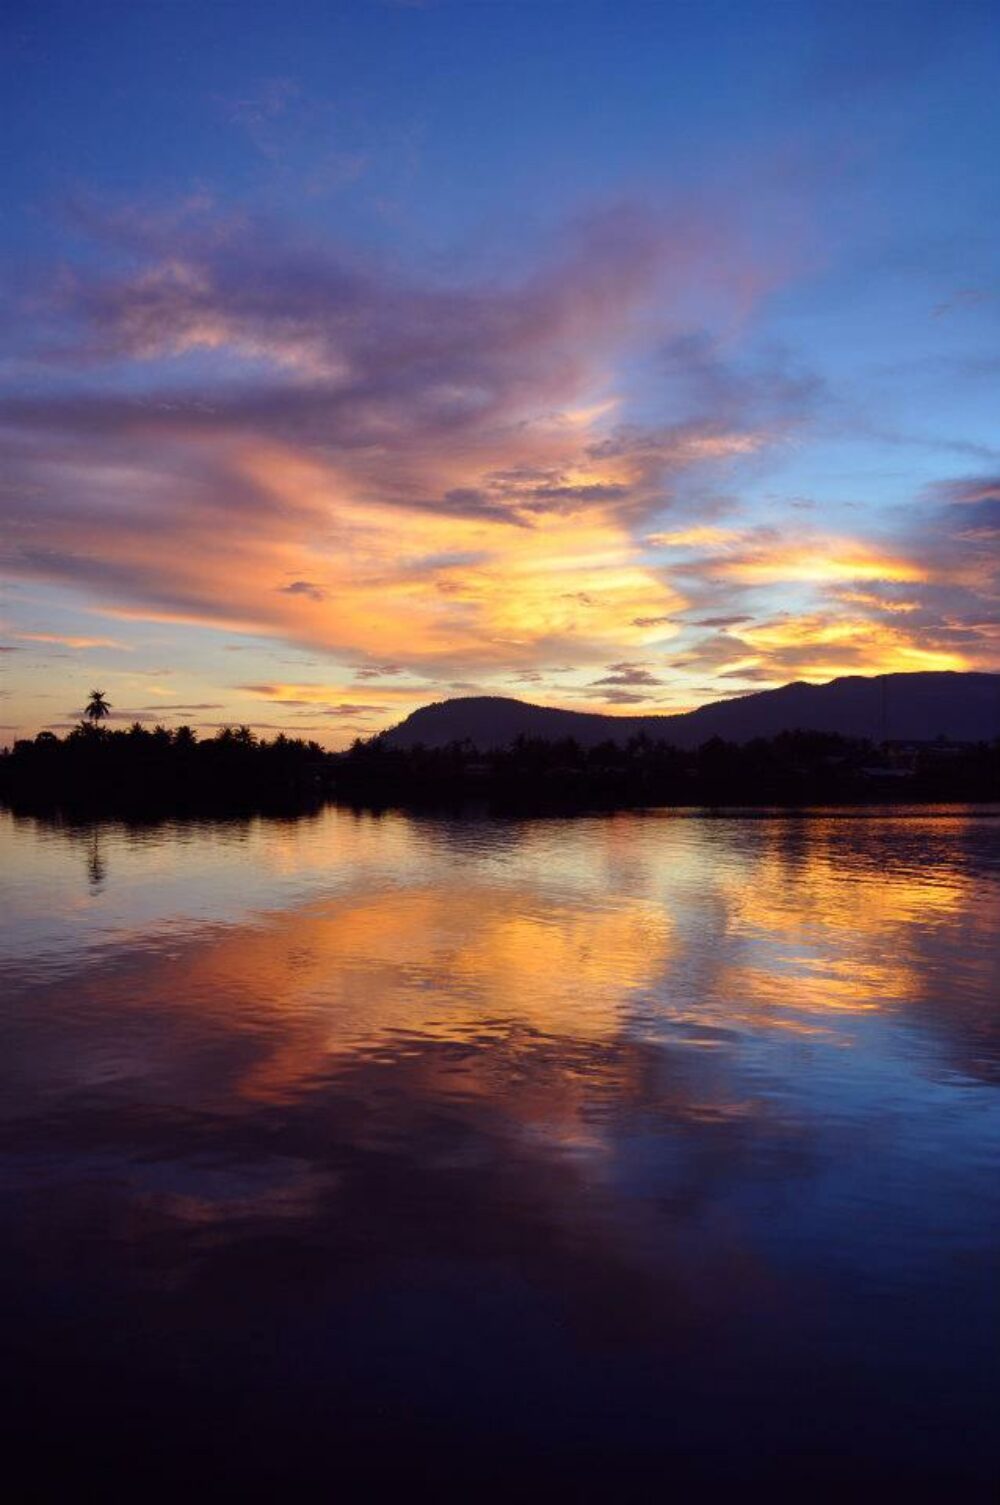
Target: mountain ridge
x,y
962,706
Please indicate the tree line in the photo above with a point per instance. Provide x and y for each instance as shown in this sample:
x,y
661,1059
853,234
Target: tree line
x,y
162,768
159,767
795,767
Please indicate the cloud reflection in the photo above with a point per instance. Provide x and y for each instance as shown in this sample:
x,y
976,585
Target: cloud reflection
x,y
629,1097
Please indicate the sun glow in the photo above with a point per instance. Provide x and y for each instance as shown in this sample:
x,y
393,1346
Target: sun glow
x,y
821,647
820,568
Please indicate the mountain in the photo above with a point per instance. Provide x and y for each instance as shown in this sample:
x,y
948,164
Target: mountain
x,y
895,707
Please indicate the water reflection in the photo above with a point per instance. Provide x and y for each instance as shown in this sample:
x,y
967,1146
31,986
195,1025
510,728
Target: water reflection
x,y
624,1139
97,870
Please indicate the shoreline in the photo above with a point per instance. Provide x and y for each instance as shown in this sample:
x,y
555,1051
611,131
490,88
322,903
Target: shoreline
x,y
76,812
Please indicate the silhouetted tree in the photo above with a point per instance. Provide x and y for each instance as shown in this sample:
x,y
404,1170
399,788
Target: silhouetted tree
x,y
98,707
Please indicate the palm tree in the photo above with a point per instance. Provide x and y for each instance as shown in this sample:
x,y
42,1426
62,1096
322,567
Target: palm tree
x,y
98,706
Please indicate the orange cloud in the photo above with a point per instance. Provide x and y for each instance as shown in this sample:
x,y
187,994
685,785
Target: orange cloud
x,y
821,647
383,469
694,538
879,603
68,641
482,590
825,561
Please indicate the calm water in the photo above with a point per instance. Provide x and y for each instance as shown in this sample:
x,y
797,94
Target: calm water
x,y
557,1159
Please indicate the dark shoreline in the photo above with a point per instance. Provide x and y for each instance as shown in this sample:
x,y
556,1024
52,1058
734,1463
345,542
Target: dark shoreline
x,y
162,774
151,816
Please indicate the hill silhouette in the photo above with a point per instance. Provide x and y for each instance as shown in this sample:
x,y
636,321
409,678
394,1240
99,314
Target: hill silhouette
x,y
920,707
911,737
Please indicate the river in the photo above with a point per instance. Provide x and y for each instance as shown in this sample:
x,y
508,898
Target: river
x,y
556,1158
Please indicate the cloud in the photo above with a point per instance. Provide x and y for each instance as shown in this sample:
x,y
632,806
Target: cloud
x,y
623,697
118,714
896,605
307,144
693,538
278,692
69,641
817,561
628,674
304,588
261,726
380,671
324,700
349,709
966,491
701,372
816,646
229,428
413,458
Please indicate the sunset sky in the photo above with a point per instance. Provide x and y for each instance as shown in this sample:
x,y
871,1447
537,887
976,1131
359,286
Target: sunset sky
x,y
614,356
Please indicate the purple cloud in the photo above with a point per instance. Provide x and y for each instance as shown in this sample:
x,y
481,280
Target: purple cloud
x,y
304,588
628,674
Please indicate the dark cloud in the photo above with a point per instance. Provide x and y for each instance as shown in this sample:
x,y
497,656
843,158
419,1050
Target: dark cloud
x,y
312,705
471,502
624,697
304,588
380,671
753,674
261,726
966,490
714,652
113,715
348,709
562,498
627,674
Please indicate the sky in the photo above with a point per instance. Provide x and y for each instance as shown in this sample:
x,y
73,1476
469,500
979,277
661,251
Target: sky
x,y
619,357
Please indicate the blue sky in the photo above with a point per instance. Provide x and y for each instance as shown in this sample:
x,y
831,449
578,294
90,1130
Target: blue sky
x,y
621,356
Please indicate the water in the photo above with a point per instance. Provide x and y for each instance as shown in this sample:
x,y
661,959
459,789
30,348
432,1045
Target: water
x,y
551,1159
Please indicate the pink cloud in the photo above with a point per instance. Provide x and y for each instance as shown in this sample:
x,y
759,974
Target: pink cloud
x,y
283,440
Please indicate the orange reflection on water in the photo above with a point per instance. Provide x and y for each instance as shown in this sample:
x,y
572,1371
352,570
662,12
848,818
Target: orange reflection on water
x,y
447,962
589,933
825,924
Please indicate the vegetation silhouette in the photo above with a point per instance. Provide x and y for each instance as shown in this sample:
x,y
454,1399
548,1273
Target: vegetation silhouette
x,y
158,769
98,707
793,768
142,770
